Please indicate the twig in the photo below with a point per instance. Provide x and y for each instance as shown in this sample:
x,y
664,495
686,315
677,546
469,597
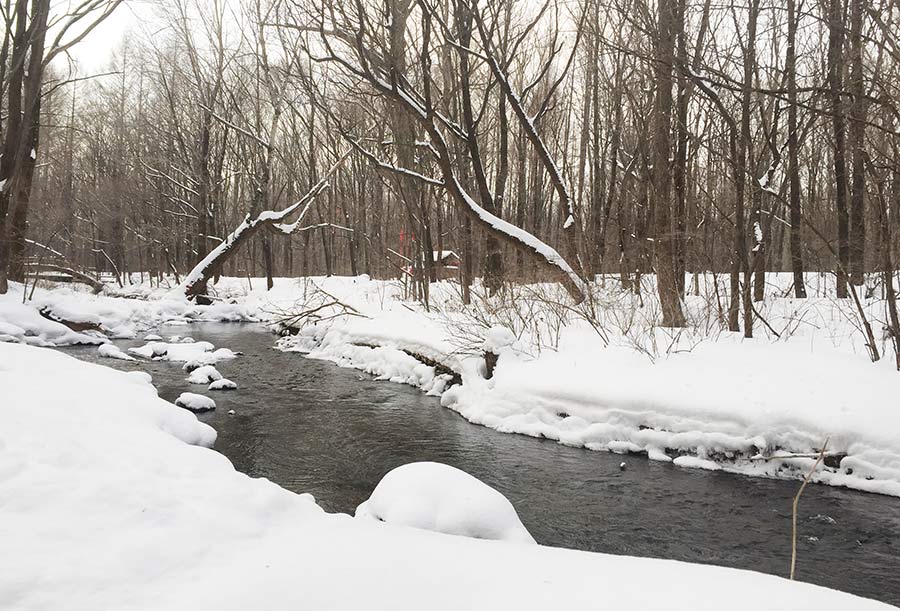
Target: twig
x,y
797,502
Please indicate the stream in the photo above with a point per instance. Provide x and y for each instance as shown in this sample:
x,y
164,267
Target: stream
x,y
334,432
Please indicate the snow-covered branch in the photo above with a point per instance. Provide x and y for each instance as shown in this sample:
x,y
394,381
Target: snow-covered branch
x,y
194,284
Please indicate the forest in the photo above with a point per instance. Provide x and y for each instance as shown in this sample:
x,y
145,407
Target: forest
x,y
627,138
449,304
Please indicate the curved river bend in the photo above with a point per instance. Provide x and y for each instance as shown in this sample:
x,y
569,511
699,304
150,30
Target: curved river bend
x,y
313,427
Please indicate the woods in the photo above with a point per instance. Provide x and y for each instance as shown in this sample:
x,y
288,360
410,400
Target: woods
x,y
541,142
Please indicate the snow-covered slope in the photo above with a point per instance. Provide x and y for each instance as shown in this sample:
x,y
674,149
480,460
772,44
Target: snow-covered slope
x,y
106,505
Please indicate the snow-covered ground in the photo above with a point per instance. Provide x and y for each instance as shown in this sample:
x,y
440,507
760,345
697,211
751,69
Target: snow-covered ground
x,y
108,500
602,376
607,379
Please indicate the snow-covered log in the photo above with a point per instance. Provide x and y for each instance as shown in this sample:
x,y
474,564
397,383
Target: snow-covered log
x,y
95,284
194,284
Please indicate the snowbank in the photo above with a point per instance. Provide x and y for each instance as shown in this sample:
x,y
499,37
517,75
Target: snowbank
x,y
698,397
441,498
760,407
24,324
106,505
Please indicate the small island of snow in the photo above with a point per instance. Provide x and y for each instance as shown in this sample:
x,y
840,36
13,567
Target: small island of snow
x,y
438,497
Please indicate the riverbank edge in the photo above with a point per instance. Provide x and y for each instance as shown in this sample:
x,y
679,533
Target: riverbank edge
x,y
460,385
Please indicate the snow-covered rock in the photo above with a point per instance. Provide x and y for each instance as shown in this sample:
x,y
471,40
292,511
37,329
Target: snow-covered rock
x,y
152,350
223,384
111,351
204,375
195,402
438,497
153,337
193,354
209,358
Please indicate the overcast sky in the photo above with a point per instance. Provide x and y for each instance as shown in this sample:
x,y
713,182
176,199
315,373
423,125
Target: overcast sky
x,y
94,52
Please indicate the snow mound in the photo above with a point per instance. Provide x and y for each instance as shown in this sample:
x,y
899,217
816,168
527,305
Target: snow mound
x,y
209,358
441,498
153,337
204,375
193,354
195,402
498,338
223,384
111,351
22,323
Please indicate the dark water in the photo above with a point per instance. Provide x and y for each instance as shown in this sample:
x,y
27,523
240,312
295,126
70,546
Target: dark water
x,y
313,427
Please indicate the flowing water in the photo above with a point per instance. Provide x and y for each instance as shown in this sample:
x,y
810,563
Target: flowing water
x,y
313,427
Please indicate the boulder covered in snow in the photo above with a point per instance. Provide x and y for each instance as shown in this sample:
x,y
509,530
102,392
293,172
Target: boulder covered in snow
x,y
204,375
111,351
438,497
195,402
208,358
153,337
152,350
223,384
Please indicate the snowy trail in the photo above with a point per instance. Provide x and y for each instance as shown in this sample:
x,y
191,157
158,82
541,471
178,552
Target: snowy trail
x,y
107,505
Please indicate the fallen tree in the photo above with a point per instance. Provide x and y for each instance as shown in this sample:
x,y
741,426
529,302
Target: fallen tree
x,y
194,285
77,276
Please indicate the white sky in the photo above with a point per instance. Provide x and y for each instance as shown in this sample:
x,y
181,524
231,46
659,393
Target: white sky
x,y
94,52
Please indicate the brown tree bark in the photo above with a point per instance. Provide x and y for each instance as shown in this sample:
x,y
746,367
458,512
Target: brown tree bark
x,y
793,163
857,135
665,244
835,86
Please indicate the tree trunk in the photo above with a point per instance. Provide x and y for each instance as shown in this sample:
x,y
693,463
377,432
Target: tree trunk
x,y
793,146
665,247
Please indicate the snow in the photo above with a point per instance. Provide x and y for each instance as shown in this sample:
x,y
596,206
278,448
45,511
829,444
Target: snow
x,y
700,398
195,402
111,351
497,338
696,397
192,354
440,255
444,499
222,384
204,375
24,324
107,505
153,337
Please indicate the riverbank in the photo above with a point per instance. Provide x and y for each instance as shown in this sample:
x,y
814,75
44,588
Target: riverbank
x,y
602,376
112,502
695,397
